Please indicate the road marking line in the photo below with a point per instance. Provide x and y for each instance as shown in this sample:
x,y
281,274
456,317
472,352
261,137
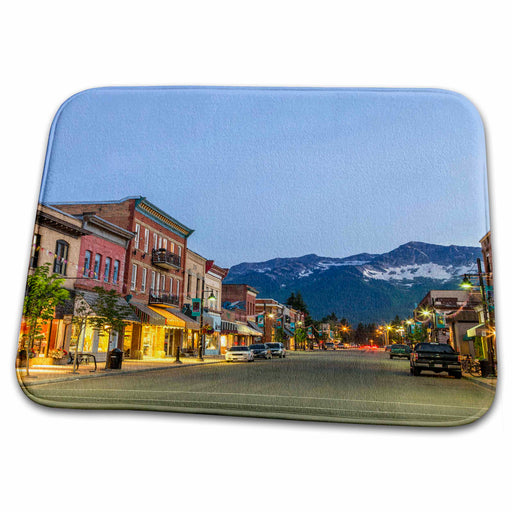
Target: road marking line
x,y
224,404
415,404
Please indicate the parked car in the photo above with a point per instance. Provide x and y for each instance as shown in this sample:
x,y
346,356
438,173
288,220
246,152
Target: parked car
x,y
387,348
239,353
435,357
277,349
329,345
261,350
399,351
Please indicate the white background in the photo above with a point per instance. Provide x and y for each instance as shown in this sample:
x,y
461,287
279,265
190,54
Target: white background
x,y
53,49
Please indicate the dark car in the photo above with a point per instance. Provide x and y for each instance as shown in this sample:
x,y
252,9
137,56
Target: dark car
x,y
329,345
399,351
277,349
435,357
261,350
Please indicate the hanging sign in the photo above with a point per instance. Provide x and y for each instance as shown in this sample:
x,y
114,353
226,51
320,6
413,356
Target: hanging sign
x,y
260,320
196,307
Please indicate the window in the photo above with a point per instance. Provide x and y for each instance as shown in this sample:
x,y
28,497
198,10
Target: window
x,y
61,254
146,239
162,283
179,251
155,241
171,285
198,287
115,276
97,264
134,277
189,285
164,243
153,277
34,255
106,271
144,277
87,262
177,288
137,235
172,247
157,282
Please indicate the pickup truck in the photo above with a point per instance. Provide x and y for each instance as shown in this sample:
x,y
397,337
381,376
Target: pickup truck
x,y
435,357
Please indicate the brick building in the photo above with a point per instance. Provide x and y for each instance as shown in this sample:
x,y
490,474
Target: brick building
x,y
154,272
56,241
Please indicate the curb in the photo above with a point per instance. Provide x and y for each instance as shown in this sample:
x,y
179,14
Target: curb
x,y
107,373
478,382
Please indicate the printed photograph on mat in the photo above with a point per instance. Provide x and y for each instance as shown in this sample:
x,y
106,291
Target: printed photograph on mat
x,y
306,254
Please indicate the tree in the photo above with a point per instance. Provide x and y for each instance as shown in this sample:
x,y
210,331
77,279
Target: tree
x,y
44,293
82,311
110,314
300,338
296,301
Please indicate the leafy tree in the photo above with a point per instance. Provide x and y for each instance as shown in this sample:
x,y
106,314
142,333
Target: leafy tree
x,y
300,338
109,313
82,312
44,293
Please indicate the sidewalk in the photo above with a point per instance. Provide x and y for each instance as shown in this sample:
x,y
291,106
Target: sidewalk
x,y
486,382
45,374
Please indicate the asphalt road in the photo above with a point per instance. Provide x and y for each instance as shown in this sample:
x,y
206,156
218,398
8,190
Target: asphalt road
x,y
340,386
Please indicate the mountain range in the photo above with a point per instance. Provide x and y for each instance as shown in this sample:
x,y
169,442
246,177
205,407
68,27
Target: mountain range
x,y
364,287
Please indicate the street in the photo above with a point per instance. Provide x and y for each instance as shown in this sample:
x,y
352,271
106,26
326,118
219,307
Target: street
x,y
340,386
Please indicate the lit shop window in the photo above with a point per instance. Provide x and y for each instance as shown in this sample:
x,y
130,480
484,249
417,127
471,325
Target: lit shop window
x,y
61,255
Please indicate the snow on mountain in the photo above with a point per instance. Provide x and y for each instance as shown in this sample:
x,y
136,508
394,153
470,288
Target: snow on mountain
x,y
411,272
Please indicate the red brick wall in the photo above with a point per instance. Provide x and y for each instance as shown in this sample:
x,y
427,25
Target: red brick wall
x,y
107,249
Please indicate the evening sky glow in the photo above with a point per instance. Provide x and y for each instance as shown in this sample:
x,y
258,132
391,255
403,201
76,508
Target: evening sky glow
x,y
265,173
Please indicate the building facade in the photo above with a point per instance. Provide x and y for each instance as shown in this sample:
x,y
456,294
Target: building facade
x,y
56,242
154,273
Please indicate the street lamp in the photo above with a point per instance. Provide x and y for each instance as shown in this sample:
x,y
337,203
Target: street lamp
x,y
468,285
211,298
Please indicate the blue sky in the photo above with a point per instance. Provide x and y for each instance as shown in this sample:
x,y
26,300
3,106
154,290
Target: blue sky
x,y
265,173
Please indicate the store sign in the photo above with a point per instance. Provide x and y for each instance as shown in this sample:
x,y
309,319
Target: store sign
x,y
260,320
292,326
441,323
196,307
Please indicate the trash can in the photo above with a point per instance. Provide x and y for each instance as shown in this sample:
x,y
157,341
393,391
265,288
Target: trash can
x,y
115,359
486,367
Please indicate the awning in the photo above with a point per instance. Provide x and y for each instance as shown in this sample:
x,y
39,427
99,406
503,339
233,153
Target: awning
x,y
288,333
245,330
478,330
92,297
255,326
147,315
175,318
170,319
228,327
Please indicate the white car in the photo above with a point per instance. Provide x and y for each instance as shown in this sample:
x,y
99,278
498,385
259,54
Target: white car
x,y
239,353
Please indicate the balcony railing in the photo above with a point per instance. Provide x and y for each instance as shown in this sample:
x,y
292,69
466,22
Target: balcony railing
x,y
165,259
158,297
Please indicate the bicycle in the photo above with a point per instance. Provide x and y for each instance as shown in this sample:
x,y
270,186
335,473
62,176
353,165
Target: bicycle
x,y
471,366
